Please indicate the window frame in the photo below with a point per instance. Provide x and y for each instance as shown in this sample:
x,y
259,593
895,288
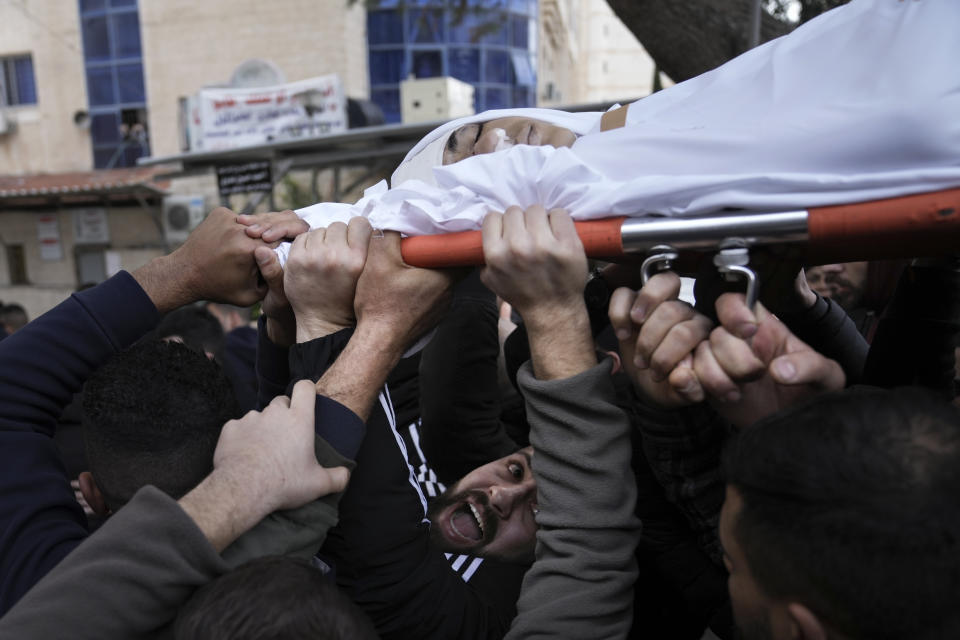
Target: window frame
x,y
8,72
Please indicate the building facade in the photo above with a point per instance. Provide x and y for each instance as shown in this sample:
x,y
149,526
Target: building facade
x,y
490,45
93,85
587,55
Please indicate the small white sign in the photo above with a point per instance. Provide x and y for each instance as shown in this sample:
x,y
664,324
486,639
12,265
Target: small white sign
x,y
90,226
111,260
48,235
232,118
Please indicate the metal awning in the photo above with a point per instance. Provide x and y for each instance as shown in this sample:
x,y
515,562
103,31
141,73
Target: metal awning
x,y
44,189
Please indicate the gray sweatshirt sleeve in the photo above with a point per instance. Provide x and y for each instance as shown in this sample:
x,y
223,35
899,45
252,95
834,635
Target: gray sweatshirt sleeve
x,y
127,580
581,585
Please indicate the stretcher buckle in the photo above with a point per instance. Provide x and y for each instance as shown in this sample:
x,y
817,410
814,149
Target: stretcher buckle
x,y
732,261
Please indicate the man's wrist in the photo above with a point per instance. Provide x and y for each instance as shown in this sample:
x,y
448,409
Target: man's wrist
x,y
225,505
561,344
554,316
167,281
384,336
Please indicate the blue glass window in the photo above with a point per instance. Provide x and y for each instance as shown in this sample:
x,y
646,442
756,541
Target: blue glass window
x,y
96,38
105,127
464,64
386,67
495,28
112,52
384,27
389,101
426,25
23,76
100,86
523,97
489,44
499,67
126,29
496,98
428,64
467,28
102,156
130,83
519,32
17,84
522,69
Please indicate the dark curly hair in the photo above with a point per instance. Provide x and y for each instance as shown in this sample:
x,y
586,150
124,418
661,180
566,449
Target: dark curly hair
x,y
152,415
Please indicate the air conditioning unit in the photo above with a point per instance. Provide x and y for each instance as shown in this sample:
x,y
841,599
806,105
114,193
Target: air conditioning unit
x,y
181,214
432,99
7,124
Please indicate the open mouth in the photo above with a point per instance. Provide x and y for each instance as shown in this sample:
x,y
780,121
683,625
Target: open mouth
x,y
467,523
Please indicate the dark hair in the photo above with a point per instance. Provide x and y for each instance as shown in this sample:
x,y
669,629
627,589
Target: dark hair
x,y
196,327
850,507
273,597
13,315
152,415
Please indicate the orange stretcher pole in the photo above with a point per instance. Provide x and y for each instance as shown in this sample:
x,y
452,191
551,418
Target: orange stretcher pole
x,y
907,226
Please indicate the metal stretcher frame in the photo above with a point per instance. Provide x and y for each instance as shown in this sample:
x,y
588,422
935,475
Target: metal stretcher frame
x,y
906,226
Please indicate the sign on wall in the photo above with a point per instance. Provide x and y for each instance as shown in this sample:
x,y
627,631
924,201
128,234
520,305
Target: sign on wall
x,y
230,118
90,226
48,236
246,177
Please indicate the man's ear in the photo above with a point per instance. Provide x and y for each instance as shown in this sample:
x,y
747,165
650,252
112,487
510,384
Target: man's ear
x,y
804,623
91,493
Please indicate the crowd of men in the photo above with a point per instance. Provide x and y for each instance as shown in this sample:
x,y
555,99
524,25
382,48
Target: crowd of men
x,y
530,449
654,471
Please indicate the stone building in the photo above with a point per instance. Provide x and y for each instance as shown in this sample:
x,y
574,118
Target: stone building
x,y
92,86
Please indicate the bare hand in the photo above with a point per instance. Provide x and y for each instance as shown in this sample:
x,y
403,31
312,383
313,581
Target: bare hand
x,y
753,366
399,302
273,226
658,334
535,262
273,451
281,326
321,277
216,262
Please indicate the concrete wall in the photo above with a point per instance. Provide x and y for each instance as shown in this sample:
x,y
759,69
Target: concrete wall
x,y
134,237
188,45
615,66
46,138
588,55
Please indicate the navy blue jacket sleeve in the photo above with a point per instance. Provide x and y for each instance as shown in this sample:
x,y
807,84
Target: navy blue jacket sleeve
x,y
43,365
336,424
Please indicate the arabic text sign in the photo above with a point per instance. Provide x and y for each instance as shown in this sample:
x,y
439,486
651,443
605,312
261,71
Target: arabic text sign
x,y
244,178
232,118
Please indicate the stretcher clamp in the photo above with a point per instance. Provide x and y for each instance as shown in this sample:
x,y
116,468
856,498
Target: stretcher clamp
x,y
660,259
732,261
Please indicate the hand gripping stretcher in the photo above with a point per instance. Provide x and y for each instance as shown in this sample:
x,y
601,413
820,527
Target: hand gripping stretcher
x,y
926,224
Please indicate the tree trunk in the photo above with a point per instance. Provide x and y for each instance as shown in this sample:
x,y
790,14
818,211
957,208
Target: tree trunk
x,y
688,37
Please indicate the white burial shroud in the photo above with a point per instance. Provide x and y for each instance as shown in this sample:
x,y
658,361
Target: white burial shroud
x,y
859,104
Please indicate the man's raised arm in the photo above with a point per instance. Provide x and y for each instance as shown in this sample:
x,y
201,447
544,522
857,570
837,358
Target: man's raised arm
x,y
581,584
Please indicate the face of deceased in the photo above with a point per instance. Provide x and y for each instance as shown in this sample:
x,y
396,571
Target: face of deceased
x,y
490,511
484,137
